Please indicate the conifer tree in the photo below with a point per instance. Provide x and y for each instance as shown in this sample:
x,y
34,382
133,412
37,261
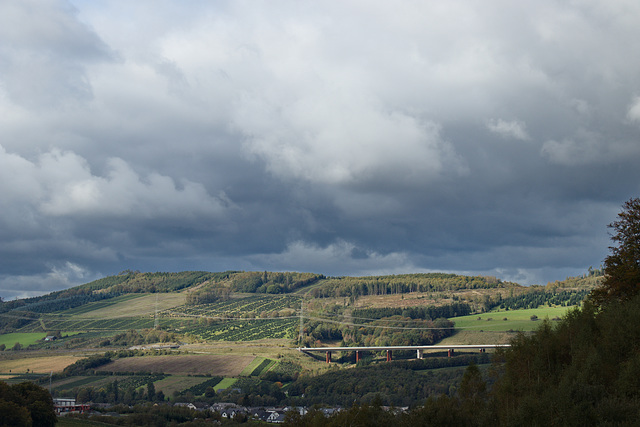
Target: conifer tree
x,y
622,266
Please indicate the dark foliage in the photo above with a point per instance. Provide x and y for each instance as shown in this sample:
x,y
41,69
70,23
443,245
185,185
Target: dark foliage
x,y
395,330
25,404
200,389
430,312
585,371
397,383
158,415
272,283
404,283
87,364
539,297
622,266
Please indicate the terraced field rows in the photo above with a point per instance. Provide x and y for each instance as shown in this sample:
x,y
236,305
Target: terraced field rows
x,y
83,324
237,307
246,330
197,320
97,381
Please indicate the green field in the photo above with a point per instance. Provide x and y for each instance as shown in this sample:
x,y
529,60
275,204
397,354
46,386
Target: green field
x,y
257,367
25,339
225,383
516,320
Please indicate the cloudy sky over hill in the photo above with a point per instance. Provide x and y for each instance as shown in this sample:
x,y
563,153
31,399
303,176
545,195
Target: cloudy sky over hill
x,y
337,137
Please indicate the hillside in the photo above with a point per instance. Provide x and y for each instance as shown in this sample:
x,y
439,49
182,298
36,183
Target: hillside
x,y
241,306
246,326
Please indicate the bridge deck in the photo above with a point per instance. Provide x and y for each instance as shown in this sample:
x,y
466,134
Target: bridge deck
x,y
406,347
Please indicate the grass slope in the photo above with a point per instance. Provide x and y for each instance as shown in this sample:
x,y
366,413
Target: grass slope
x,y
25,339
133,305
225,383
516,320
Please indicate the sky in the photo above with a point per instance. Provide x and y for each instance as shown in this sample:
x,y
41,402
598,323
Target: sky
x,y
344,137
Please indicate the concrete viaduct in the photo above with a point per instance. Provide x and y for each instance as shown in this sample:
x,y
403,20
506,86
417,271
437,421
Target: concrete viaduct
x,y
418,348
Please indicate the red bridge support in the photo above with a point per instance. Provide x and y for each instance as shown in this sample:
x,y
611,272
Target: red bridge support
x,y
328,357
358,356
450,352
389,356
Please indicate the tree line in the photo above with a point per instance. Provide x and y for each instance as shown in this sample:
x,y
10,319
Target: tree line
x,y
355,287
538,297
421,312
271,282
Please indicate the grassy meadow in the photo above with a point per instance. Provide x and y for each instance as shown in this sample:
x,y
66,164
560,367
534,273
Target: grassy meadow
x,y
508,320
132,305
25,339
225,383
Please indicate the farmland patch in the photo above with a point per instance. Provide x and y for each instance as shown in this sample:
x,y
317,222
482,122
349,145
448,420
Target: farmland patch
x,y
196,364
244,330
256,367
178,383
44,364
505,320
225,384
140,305
25,339
92,306
253,306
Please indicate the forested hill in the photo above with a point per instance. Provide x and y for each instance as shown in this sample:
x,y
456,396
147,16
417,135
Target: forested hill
x,y
589,280
405,283
206,287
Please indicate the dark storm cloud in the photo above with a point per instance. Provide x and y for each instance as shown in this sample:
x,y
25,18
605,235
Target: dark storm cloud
x,y
336,137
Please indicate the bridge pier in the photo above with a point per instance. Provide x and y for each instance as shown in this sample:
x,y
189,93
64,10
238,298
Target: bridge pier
x,y
420,353
358,356
389,356
482,350
328,357
450,352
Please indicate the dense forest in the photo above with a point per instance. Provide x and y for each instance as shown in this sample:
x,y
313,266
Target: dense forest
x,y
421,312
403,283
272,283
537,297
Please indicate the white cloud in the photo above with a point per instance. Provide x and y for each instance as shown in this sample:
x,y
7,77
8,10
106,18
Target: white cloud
x,y
342,121
633,113
344,141
61,184
514,129
47,50
586,147
57,277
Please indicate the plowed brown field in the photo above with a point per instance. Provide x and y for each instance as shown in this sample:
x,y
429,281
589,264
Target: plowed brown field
x,y
201,364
